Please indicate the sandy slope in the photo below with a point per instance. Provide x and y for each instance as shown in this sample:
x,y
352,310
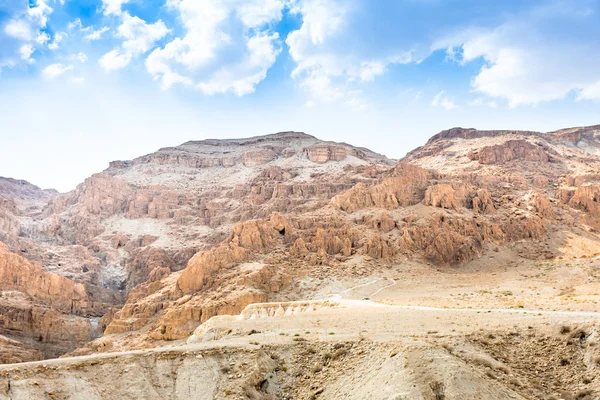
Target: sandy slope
x,y
335,349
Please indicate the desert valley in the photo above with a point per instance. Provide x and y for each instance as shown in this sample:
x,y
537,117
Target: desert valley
x,y
286,267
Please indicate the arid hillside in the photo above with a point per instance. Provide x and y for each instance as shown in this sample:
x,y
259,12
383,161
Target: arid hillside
x,y
141,220
160,246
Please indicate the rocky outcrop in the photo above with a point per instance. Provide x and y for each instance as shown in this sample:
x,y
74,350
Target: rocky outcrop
x,y
482,202
443,196
541,205
258,157
12,352
323,153
510,151
47,313
56,291
470,133
208,227
405,186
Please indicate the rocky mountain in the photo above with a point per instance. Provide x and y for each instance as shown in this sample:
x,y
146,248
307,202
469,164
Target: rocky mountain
x,y
160,244
466,196
141,220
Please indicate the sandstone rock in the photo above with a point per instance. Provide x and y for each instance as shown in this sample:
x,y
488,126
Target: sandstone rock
x,y
385,223
323,153
378,248
258,157
35,308
542,205
510,151
442,196
482,202
406,186
16,273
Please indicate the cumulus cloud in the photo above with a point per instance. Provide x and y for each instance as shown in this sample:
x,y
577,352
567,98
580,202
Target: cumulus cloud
x,y
441,100
228,46
139,37
526,61
58,37
24,32
334,48
53,71
113,7
19,29
81,57
94,34
25,51
590,92
115,59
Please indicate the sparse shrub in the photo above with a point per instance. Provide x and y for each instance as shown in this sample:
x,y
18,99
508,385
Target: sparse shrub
x,y
483,361
225,369
339,353
586,394
503,368
565,329
578,333
448,347
253,332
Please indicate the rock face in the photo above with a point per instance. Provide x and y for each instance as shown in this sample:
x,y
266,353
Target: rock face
x,y
509,151
160,244
141,221
44,314
445,216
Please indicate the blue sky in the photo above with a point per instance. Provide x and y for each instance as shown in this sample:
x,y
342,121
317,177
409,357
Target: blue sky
x,y
86,82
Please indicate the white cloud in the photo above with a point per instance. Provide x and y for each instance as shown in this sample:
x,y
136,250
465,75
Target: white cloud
x,y
591,92
526,62
334,48
371,69
139,37
228,46
25,52
53,71
25,30
76,23
58,37
113,7
94,34
19,29
81,57
42,38
441,100
114,60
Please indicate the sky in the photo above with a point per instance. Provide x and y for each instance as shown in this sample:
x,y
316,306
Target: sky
x,y
85,82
